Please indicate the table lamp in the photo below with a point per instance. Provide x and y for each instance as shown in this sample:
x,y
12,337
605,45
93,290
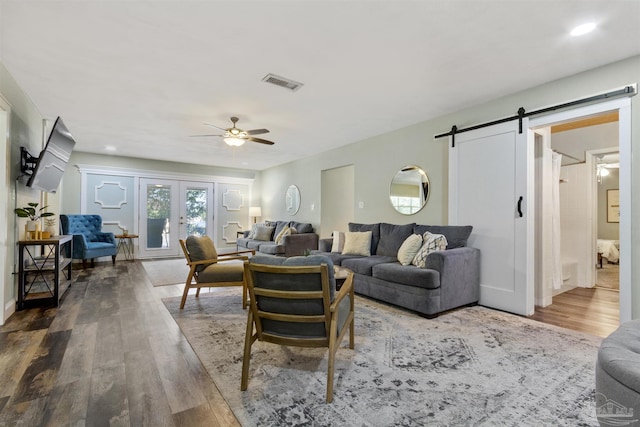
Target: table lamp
x,y
255,212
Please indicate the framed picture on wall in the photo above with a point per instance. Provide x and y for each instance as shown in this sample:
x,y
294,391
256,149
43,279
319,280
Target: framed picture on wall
x,y
613,205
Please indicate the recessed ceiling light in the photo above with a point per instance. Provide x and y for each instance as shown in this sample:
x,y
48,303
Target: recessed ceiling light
x,y
583,29
110,148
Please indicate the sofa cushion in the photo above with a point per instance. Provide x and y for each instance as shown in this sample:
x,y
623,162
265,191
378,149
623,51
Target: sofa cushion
x,y
364,265
336,258
456,235
357,243
407,275
430,243
375,233
391,238
255,244
264,233
409,249
301,227
272,248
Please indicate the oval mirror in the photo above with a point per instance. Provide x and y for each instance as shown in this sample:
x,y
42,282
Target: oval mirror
x,y
409,190
292,200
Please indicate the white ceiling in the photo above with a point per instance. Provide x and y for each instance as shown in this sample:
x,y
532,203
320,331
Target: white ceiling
x,y
142,76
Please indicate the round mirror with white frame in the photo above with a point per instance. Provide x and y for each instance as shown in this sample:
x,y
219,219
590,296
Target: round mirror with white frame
x,y
292,200
409,190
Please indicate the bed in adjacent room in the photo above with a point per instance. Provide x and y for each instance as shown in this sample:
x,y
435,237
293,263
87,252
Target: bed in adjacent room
x,y
609,250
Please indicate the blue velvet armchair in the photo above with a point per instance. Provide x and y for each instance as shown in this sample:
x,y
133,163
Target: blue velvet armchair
x,y
89,241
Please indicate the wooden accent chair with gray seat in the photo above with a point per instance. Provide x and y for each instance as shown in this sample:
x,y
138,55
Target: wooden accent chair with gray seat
x,y
293,302
207,269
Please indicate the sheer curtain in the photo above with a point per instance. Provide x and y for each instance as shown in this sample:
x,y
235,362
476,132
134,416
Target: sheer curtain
x,y
556,163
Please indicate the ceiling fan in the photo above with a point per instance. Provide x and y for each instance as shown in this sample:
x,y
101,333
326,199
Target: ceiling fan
x,y
235,136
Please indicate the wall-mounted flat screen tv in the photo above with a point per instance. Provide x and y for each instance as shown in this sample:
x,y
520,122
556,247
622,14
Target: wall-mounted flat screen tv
x,y
51,164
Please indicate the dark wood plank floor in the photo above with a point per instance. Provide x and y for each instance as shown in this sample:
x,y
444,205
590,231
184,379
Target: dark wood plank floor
x,y
109,355
595,311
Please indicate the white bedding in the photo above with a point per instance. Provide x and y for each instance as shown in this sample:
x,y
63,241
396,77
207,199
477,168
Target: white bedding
x,y
609,250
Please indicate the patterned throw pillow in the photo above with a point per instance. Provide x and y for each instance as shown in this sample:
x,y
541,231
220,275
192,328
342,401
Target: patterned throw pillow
x,y
357,243
287,231
409,249
430,243
338,241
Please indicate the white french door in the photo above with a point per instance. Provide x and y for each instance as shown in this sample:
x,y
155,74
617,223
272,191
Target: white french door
x,y
490,188
171,210
196,209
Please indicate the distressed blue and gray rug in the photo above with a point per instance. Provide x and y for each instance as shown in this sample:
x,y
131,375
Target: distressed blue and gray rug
x,y
473,366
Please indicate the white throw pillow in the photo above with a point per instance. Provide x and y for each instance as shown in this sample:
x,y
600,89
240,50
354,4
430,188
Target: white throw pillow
x,y
264,232
430,243
357,243
338,241
409,249
254,229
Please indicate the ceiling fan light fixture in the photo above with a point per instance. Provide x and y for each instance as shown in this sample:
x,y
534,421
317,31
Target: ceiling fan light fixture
x,y
234,142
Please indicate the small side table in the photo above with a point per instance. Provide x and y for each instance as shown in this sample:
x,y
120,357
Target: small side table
x,y
238,234
125,243
341,274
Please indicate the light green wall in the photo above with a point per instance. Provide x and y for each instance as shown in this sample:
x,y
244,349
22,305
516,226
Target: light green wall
x,y
377,159
25,129
607,230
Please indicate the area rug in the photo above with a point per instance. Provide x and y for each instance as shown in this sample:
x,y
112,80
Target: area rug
x,y
166,271
472,366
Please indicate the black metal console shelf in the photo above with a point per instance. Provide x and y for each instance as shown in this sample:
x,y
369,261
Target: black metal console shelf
x,y
44,271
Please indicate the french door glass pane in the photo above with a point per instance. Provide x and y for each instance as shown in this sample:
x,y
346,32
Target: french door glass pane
x,y
158,215
196,211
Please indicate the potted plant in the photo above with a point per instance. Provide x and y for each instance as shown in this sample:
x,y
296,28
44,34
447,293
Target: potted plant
x,y
32,212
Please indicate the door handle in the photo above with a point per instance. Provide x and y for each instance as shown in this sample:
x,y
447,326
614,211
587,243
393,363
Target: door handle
x,y
520,206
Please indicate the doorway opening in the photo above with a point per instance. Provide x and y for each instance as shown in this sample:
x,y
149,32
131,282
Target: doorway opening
x,y
577,286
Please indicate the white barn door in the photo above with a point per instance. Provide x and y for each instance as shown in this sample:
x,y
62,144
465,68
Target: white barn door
x,y
490,188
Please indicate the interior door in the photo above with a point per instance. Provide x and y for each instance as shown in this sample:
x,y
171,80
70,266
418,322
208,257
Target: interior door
x,y
490,186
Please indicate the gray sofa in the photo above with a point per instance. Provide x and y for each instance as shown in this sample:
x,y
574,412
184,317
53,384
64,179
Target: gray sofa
x,y
618,376
304,239
450,279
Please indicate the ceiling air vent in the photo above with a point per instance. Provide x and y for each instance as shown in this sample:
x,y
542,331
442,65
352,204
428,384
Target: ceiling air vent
x,y
282,82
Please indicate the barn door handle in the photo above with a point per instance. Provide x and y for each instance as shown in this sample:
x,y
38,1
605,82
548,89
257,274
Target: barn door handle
x,y
520,206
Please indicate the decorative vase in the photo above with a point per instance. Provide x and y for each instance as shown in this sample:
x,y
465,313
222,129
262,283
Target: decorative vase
x,y
32,230
51,229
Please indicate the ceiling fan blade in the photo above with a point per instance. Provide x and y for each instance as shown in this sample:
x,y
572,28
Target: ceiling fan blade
x,y
203,135
257,131
214,126
260,140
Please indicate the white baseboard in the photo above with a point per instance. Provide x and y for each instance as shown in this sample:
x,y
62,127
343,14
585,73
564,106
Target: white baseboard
x,y
544,302
9,309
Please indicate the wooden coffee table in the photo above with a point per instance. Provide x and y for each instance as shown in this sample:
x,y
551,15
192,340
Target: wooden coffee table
x,y
341,274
